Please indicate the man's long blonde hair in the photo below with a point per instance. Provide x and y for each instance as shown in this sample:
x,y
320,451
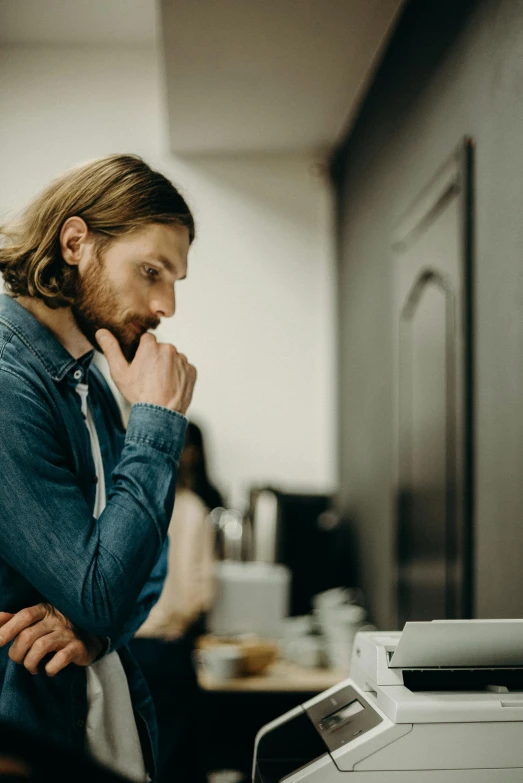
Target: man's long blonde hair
x,y
114,196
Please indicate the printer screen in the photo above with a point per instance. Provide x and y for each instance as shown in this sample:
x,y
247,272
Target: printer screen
x,y
340,716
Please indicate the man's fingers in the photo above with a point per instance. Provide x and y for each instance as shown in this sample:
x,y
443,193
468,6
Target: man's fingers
x,y
25,640
52,642
41,647
69,654
147,340
112,352
22,619
4,617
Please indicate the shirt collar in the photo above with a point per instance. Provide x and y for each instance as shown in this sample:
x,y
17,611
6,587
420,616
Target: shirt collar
x,y
57,361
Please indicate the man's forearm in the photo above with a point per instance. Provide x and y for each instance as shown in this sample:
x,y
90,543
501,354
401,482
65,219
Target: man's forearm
x,y
93,570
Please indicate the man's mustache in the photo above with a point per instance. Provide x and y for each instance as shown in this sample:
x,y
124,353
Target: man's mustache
x,y
145,324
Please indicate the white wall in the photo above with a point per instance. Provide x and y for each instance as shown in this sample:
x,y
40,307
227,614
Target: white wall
x,y
256,314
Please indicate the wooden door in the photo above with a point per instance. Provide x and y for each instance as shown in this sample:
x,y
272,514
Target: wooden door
x,y
433,323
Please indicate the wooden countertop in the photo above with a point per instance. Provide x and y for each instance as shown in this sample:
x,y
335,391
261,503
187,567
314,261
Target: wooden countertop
x,y
280,676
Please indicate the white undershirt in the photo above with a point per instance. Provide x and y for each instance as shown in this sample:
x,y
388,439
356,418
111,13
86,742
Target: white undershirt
x,y
111,733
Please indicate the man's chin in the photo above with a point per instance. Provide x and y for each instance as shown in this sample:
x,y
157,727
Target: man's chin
x,y
129,349
128,344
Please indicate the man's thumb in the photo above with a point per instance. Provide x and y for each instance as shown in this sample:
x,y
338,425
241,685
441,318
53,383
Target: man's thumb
x,y
112,351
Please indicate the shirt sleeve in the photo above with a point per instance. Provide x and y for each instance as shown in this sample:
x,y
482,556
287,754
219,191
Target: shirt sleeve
x,y
148,597
92,570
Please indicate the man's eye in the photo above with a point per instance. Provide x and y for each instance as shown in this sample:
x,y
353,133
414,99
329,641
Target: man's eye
x,y
150,271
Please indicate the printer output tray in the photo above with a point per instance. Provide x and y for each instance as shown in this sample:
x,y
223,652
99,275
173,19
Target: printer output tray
x,y
454,644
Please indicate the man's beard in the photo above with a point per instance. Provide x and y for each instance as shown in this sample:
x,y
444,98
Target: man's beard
x,y
97,306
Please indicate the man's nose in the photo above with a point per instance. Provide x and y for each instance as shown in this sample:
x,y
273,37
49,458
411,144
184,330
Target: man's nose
x,y
164,305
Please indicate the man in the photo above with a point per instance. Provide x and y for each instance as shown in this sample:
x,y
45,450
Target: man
x,y
85,506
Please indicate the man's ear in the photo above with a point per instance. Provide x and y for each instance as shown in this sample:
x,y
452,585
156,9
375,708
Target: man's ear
x,y
73,240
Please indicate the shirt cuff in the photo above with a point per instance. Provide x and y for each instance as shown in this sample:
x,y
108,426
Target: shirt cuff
x,y
159,427
106,648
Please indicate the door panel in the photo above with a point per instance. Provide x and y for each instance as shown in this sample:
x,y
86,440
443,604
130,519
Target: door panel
x,y
434,474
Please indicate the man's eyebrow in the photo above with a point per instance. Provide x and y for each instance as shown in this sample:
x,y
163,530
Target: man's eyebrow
x,y
168,265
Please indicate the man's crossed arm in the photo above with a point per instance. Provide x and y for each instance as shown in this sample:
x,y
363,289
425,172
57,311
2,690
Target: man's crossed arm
x,y
40,630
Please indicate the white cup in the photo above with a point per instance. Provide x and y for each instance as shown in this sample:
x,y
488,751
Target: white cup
x,y
222,662
306,651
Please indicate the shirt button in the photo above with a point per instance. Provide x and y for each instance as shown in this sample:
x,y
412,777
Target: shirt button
x,y
80,723
77,375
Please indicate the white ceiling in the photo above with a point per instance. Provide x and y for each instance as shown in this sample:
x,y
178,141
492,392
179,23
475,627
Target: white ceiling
x,y
268,75
84,22
242,76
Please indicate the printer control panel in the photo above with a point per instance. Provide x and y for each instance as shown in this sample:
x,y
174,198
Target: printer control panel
x,y
342,717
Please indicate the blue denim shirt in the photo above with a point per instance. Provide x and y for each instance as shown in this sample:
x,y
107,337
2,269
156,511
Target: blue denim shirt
x,y
104,574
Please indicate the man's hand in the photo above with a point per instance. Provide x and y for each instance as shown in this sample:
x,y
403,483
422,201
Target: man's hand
x,y
158,374
41,630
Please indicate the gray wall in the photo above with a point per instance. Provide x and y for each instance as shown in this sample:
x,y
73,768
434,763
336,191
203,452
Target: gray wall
x,y
453,69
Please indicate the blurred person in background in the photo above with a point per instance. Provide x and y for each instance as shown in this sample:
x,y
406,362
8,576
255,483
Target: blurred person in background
x,y
164,645
192,470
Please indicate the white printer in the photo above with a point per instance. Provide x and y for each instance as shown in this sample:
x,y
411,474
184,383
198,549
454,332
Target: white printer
x,y
440,702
